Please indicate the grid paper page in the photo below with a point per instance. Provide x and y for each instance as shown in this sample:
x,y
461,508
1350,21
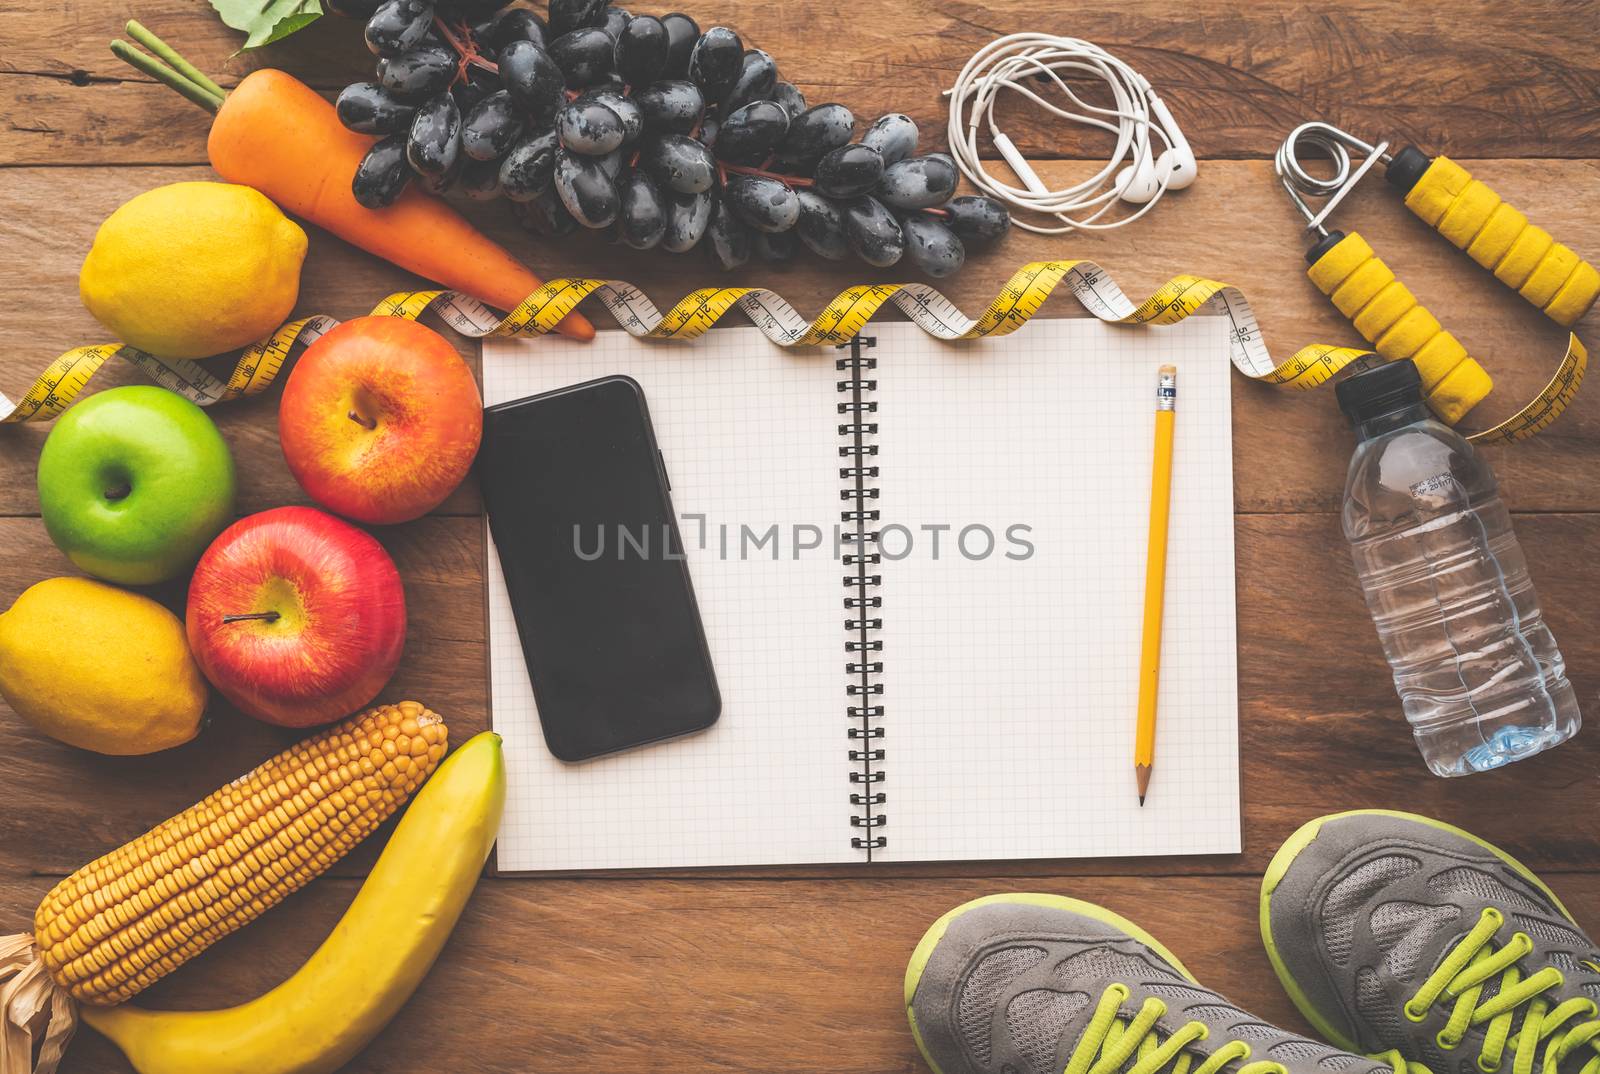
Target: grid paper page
x,y
1011,684
748,434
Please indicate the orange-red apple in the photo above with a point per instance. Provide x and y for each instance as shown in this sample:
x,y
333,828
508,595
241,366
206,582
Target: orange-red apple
x,y
296,617
380,420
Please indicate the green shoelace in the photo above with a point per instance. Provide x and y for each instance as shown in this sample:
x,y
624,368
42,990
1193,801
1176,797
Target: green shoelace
x,y
1110,1041
1461,977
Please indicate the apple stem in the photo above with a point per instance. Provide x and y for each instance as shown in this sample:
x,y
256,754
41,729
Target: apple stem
x,y
271,617
119,492
365,423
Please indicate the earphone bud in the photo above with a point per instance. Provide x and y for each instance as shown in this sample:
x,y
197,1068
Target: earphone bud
x,y
1177,163
1174,169
1138,184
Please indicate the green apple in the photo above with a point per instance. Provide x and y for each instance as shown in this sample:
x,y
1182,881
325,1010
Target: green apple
x,y
134,482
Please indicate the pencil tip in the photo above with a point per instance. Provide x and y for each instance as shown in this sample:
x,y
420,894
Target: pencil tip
x,y
1141,801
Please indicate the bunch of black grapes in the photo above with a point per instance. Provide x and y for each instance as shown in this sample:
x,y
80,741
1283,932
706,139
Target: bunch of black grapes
x,y
647,127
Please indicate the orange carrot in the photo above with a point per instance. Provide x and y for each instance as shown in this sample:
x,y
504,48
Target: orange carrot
x,y
278,135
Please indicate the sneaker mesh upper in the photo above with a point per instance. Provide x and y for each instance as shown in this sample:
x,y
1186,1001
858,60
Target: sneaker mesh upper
x,y
1295,1050
1248,1031
1105,962
1474,885
982,989
1037,1018
1372,1002
1549,932
1404,929
1347,896
1175,990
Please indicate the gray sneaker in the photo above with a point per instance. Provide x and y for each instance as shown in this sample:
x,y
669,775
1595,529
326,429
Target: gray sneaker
x,y
1041,984
1398,934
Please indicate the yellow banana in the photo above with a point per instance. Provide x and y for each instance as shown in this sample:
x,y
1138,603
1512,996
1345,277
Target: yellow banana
x,y
377,954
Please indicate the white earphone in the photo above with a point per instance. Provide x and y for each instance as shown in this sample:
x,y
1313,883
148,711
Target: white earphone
x,y
1014,61
1176,164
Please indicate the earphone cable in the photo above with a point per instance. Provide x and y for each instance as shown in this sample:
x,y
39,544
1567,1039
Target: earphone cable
x,y
1004,64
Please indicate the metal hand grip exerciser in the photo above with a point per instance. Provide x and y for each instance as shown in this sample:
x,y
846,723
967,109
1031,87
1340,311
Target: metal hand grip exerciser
x,y
1464,210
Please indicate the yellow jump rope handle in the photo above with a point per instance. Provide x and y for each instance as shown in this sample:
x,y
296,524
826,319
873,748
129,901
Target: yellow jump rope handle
x,y
1389,317
1521,255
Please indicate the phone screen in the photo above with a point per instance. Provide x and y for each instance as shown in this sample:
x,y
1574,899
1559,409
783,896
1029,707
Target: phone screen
x,y
579,506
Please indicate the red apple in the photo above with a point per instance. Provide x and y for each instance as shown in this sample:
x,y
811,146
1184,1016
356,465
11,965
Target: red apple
x,y
297,617
380,420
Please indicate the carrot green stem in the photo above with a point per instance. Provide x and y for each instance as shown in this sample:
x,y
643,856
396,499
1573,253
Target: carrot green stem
x,y
166,75
139,33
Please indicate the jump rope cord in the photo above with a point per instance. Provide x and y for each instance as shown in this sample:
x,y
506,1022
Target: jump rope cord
x,y
1011,63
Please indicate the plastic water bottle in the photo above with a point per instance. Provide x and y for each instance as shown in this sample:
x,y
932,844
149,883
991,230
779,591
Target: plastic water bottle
x,y
1478,672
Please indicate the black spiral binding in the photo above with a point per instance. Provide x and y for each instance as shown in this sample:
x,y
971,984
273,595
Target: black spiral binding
x,y
860,534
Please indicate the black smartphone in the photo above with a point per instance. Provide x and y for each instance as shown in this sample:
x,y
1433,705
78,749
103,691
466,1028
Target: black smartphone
x,y
580,508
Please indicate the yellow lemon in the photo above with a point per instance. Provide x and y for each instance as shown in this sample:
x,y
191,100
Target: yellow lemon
x,y
100,668
194,269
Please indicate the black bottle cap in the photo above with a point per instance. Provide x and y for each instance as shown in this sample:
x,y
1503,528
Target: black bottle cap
x,y
1406,168
1323,245
1381,390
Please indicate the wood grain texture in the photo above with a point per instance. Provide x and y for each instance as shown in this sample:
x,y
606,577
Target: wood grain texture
x,y
798,977
798,970
1235,224
1475,79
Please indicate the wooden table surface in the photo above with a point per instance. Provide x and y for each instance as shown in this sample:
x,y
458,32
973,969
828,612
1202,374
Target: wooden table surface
x,y
799,969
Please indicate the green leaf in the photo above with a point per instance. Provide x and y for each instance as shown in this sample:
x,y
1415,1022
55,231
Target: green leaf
x,y
266,21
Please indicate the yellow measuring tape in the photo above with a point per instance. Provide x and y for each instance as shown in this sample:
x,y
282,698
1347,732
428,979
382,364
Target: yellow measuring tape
x,y
840,319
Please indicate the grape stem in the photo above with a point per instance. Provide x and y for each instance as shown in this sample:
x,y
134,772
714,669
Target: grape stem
x,y
740,169
466,49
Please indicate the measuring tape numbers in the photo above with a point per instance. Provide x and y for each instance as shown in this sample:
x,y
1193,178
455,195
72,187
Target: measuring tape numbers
x,y
843,317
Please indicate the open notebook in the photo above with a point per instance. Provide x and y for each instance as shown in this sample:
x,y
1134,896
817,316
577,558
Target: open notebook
x,y
968,691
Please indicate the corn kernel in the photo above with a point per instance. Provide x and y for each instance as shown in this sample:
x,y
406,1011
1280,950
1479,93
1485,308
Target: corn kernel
x,y
127,919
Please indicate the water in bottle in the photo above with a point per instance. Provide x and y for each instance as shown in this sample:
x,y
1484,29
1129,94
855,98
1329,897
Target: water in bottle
x,y
1478,672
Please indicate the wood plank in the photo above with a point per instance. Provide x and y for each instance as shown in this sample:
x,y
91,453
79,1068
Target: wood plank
x,y
1291,448
799,970
1320,726
800,977
1478,78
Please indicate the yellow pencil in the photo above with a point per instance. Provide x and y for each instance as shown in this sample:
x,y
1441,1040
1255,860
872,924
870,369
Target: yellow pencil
x,y
1155,580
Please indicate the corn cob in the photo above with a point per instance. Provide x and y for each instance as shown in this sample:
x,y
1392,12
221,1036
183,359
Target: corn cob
x,y
122,922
